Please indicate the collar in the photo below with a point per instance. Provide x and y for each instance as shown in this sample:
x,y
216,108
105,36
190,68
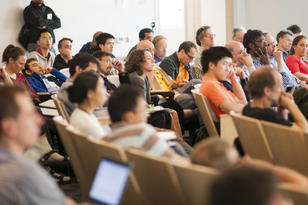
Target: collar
x,y
39,50
36,4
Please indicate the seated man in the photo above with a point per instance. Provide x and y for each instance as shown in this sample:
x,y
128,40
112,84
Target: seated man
x,y
144,34
160,48
42,54
105,42
216,64
90,46
246,185
177,65
216,153
37,79
284,39
64,58
128,112
81,62
265,88
22,180
238,34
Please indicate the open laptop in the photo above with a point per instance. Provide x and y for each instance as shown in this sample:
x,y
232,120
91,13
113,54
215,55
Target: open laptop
x,y
109,182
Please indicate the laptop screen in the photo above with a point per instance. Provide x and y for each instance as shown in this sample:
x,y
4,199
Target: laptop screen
x,y
109,182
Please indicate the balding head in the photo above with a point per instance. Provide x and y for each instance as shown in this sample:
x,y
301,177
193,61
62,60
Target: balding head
x,y
146,44
214,152
236,48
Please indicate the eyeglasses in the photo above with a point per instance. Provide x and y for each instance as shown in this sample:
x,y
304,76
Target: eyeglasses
x,y
210,35
271,44
260,41
46,38
190,57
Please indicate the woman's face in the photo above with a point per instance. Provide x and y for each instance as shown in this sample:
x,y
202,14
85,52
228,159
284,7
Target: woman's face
x,y
99,95
301,48
19,64
148,64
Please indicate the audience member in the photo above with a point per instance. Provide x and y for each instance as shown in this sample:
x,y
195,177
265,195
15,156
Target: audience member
x,y
89,92
42,54
297,65
144,34
160,48
247,185
284,39
37,79
64,58
15,59
295,29
128,112
81,62
105,42
204,39
217,66
265,88
238,34
37,17
22,180
90,46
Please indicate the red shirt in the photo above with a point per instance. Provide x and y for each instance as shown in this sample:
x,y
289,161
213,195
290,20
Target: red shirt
x,y
296,65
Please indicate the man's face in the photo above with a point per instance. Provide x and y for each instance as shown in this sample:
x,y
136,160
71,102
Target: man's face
x,y
36,67
285,42
66,48
222,69
239,36
28,122
161,48
108,46
276,90
45,41
208,39
106,64
148,36
140,113
270,44
238,50
187,58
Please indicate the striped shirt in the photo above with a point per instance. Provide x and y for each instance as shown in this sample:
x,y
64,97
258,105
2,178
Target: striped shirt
x,y
140,136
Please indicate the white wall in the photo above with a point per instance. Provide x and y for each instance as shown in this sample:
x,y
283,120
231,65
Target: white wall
x,y
273,15
80,19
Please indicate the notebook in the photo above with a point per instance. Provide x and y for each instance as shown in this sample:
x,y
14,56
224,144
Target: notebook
x,y
109,182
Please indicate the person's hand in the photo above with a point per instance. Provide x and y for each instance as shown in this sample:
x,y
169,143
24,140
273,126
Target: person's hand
x,y
262,54
277,54
303,84
285,100
246,59
67,53
182,82
118,65
3,73
47,70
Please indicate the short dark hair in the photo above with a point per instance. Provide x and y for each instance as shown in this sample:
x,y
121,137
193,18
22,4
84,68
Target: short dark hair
x,y
78,92
213,54
13,52
124,99
8,104
102,38
100,54
135,60
244,185
82,60
282,33
43,31
296,40
200,34
64,39
250,37
186,46
27,67
259,80
143,31
294,29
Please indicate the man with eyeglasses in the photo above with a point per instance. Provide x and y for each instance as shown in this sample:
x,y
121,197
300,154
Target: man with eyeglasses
x,y
204,39
284,39
238,34
177,65
42,54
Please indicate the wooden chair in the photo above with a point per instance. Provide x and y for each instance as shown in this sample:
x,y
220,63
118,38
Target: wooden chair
x,y
60,107
298,195
195,182
252,137
207,114
288,146
228,131
156,178
71,150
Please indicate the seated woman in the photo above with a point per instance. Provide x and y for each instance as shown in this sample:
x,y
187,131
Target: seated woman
x,y
295,61
15,58
89,92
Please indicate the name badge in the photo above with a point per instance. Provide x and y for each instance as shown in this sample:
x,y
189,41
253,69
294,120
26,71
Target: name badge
x,y
49,16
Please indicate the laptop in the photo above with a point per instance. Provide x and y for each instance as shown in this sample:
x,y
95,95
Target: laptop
x,y
109,182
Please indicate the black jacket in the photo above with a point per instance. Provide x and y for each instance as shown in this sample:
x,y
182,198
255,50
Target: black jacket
x,y
37,16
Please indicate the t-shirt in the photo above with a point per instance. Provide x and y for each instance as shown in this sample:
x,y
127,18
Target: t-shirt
x,y
88,124
141,136
266,114
23,182
297,65
216,93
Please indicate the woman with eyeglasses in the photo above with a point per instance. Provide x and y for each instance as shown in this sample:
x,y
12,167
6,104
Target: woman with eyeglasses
x,y
295,61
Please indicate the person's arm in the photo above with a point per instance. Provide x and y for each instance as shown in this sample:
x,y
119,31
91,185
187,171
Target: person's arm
x,y
60,76
301,76
237,89
6,77
55,22
34,84
286,101
293,64
34,18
